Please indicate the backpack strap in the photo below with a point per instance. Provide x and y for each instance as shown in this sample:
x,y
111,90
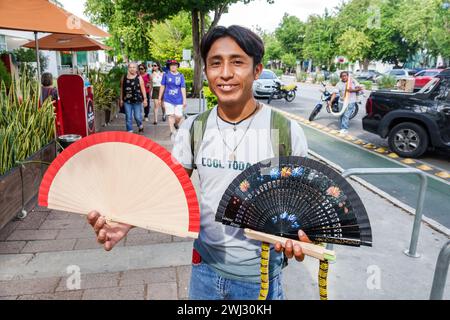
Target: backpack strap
x,y
197,131
280,134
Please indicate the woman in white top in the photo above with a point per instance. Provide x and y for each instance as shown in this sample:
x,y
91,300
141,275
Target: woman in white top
x,y
156,78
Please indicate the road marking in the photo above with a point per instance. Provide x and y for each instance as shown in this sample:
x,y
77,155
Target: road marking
x,y
424,167
432,171
443,174
408,161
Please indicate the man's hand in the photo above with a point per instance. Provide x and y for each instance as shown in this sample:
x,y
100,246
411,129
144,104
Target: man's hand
x,y
293,250
108,234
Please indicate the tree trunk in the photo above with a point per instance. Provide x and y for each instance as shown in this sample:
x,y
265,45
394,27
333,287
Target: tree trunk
x,y
197,85
366,63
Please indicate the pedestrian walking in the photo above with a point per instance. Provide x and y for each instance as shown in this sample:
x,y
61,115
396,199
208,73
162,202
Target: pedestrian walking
x,y
133,97
148,87
173,93
156,78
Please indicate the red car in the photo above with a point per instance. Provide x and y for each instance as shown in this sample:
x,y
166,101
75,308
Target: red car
x,y
424,76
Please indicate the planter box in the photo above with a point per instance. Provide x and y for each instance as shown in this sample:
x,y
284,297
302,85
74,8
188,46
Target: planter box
x,y
19,187
99,119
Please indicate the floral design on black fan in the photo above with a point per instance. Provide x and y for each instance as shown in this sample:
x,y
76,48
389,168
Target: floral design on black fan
x,y
244,186
283,219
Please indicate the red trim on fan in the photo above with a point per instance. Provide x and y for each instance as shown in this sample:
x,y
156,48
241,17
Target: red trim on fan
x,y
134,139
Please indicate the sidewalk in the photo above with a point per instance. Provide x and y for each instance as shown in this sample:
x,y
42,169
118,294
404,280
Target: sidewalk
x,y
39,255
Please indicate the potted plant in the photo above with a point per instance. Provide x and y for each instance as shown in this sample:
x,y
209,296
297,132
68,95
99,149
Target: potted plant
x,y
103,96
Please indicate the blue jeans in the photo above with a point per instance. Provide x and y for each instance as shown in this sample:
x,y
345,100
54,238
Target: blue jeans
x,y
131,108
207,284
345,119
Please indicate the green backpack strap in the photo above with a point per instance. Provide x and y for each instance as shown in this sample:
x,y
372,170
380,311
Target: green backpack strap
x,y
280,127
197,131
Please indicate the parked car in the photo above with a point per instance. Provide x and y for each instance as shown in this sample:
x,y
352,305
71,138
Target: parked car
x,y
412,122
370,75
424,76
266,84
401,73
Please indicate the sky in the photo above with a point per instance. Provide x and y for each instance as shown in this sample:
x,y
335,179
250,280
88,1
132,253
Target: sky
x,y
258,12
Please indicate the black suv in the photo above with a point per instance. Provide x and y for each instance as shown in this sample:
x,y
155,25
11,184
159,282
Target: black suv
x,y
412,122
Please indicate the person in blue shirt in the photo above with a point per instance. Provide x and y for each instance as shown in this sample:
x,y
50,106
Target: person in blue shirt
x,y
173,93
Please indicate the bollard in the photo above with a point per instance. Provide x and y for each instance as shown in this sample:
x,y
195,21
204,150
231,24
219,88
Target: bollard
x,y
440,273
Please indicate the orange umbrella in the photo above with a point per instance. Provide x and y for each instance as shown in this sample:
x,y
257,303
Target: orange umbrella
x,y
43,16
63,42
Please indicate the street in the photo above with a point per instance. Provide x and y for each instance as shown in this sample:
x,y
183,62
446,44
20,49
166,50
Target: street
x,y
363,149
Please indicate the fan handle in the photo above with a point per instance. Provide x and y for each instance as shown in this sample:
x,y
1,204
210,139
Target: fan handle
x,y
312,250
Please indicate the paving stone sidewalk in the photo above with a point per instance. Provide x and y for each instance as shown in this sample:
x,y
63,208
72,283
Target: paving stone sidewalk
x,y
40,254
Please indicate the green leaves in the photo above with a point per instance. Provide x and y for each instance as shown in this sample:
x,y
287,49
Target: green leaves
x,y
24,127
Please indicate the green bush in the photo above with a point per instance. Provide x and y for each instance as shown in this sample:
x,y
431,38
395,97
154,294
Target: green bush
x,y
334,79
387,82
4,75
104,94
188,73
211,99
278,72
113,78
320,77
367,84
302,76
189,87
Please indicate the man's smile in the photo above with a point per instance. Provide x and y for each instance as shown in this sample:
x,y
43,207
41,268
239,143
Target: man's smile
x,y
227,87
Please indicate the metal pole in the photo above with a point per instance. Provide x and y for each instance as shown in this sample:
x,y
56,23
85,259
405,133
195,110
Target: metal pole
x,y
412,251
38,71
440,273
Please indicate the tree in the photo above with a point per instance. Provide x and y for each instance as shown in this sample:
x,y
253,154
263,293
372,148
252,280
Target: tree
x,y
290,34
320,39
354,45
116,13
169,38
289,60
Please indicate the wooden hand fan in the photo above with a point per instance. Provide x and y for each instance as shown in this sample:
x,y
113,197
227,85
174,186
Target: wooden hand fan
x,y
277,197
127,178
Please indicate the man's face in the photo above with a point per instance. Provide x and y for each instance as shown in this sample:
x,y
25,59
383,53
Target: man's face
x,y
344,77
173,68
230,72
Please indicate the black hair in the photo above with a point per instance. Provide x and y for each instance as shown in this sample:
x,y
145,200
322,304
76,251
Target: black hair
x,y
158,64
47,79
343,72
142,66
246,39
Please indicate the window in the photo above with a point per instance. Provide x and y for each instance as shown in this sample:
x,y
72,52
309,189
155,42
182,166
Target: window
x,y
430,73
3,46
397,72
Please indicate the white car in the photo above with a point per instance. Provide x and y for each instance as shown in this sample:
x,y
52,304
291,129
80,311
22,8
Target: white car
x,y
265,85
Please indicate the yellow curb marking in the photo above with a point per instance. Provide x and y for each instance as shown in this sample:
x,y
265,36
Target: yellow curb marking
x,y
360,141
408,161
393,155
350,138
424,167
443,174
369,146
381,150
334,131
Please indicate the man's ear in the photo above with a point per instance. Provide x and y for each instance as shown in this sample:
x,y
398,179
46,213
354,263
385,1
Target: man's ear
x,y
258,70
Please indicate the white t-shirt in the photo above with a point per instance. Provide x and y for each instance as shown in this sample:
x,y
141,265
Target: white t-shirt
x,y
340,89
157,78
225,248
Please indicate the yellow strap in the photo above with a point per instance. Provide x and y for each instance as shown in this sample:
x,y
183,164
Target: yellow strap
x,y
323,273
264,269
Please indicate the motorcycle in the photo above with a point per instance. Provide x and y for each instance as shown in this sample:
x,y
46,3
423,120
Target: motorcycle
x,y
334,110
281,91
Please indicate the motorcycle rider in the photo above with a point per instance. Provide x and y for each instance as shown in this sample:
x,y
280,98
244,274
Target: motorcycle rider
x,y
341,89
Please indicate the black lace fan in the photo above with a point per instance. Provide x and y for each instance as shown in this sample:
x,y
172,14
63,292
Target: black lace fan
x,y
279,196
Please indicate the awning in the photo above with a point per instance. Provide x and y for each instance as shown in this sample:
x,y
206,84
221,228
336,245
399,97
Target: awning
x,y
67,42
